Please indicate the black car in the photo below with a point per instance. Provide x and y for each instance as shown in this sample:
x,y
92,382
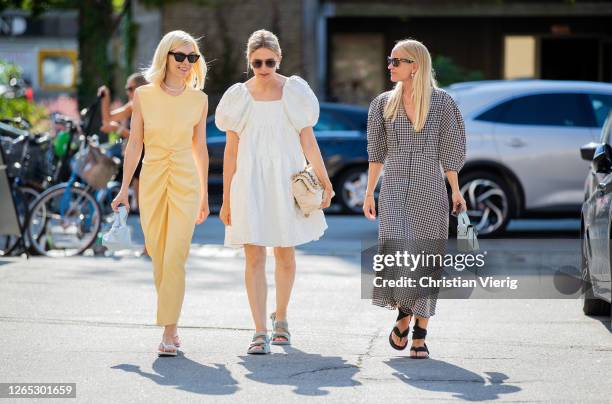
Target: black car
x,y
341,135
596,228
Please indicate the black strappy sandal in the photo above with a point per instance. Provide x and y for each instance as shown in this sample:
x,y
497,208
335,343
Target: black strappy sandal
x,y
419,333
398,333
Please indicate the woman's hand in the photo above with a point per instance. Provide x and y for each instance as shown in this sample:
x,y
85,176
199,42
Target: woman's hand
x,y
122,198
103,92
109,127
459,204
203,211
328,194
369,207
225,214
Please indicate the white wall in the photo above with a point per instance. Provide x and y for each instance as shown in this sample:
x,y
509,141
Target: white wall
x,y
24,52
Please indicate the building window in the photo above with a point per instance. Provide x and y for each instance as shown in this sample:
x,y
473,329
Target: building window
x,y
358,67
520,57
57,69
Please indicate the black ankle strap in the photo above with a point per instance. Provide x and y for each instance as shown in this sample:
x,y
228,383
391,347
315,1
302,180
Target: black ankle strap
x,y
418,332
401,315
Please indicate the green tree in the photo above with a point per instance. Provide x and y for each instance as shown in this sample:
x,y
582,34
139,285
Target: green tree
x,y
448,72
19,107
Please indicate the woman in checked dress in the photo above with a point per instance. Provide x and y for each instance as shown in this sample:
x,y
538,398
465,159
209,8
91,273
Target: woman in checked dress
x,y
415,131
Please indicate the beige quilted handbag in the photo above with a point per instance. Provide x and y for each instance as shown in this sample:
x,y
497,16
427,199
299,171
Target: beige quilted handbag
x,y
307,190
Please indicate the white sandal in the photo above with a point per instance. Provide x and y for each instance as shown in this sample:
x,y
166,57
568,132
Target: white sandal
x,y
166,349
177,341
280,329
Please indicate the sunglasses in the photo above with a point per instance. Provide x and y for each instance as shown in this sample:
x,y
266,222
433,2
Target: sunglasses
x,y
396,61
257,63
180,56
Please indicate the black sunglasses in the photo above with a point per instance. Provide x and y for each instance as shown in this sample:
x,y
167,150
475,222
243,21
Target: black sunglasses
x,y
180,56
396,61
256,63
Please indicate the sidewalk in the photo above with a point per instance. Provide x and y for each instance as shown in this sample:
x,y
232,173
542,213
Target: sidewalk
x,y
90,321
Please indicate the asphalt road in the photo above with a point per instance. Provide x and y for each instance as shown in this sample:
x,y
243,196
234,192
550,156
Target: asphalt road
x,y
89,320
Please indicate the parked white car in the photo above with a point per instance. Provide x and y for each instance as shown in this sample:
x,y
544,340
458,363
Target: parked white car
x,y
523,147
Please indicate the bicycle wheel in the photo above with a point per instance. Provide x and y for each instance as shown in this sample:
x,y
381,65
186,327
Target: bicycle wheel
x,y
24,198
64,221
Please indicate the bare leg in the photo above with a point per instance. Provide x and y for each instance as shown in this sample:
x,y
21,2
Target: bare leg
x,y
284,276
256,286
169,336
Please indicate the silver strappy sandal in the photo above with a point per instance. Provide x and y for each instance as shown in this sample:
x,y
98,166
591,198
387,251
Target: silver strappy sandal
x,y
258,345
166,349
280,329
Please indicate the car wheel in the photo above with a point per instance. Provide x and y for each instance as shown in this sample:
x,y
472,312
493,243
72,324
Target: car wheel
x,y
591,305
489,201
351,189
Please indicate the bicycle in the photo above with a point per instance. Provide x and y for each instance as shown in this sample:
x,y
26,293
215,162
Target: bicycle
x,y
21,172
65,219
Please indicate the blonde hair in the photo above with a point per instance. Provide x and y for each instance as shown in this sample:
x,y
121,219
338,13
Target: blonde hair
x,y
262,39
173,39
423,84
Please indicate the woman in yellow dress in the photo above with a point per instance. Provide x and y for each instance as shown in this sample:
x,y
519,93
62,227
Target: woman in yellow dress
x,y
169,118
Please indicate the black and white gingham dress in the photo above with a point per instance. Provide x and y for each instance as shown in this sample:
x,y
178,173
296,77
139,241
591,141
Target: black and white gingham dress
x,y
413,204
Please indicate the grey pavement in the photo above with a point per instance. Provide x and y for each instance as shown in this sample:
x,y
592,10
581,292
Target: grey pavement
x,y
89,320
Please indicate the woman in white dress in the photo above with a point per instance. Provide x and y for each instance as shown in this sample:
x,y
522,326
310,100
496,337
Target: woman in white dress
x,y
269,121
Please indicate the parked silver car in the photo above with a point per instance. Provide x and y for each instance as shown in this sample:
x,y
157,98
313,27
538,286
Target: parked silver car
x,y
524,138
596,224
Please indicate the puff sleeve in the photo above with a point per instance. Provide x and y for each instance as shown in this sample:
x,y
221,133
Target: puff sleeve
x,y
301,103
233,109
376,132
452,136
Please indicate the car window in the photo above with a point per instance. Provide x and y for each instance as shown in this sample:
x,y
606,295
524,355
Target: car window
x,y
570,110
328,121
606,132
212,130
602,104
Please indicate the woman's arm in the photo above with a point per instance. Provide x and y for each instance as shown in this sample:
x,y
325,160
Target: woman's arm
x,y
116,127
452,149
377,152
119,114
230,156
122,113
312,152
132,154
458,203
200,154
369,206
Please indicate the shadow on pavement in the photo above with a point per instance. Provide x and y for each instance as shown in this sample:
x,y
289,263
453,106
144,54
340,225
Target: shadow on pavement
x,y
309,373
187,375
440,376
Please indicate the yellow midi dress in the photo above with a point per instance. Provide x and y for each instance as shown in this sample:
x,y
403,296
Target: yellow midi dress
x,y
169,189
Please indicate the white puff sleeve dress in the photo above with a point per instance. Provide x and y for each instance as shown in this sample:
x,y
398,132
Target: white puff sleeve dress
x,y
263,210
